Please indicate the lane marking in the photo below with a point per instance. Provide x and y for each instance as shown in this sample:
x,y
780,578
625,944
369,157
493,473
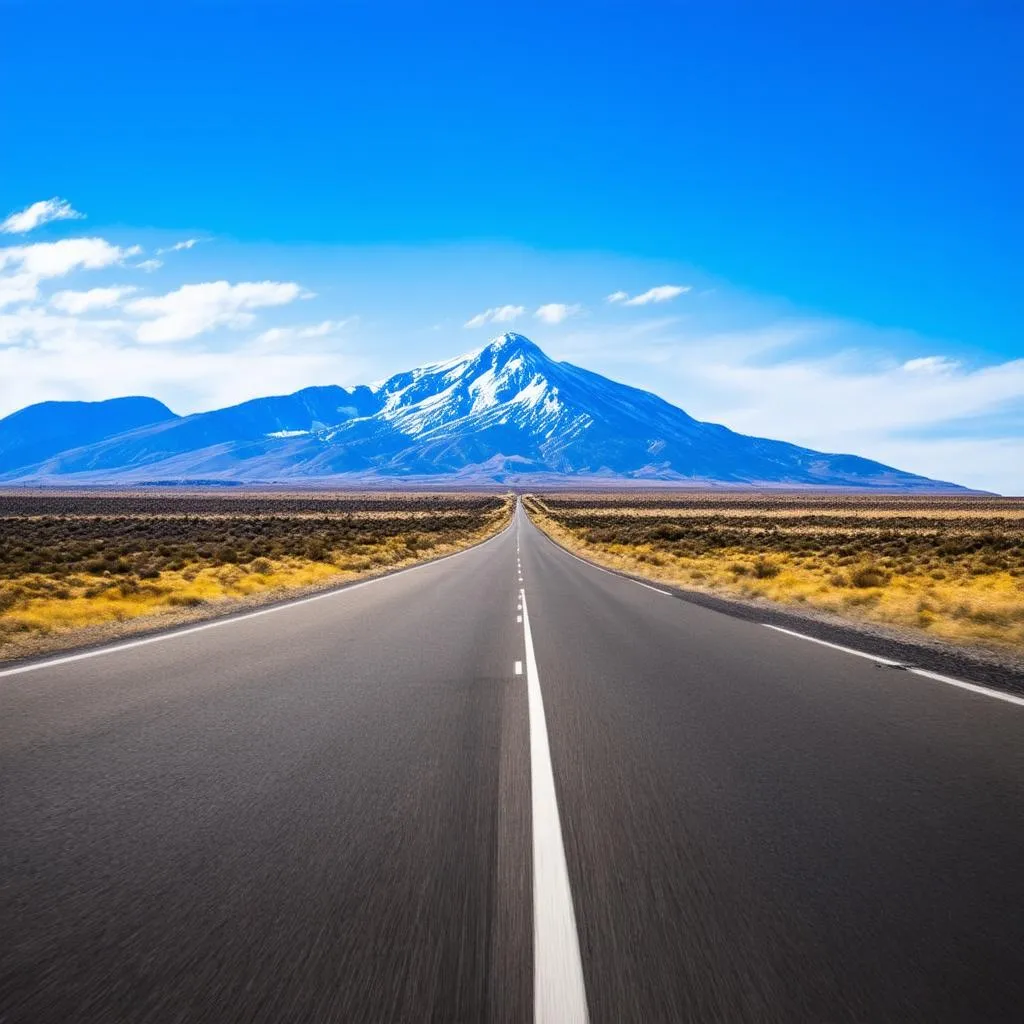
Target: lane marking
x,y
964,685
519,668
519,618
559,995
601,568
230,620
836,647
985,691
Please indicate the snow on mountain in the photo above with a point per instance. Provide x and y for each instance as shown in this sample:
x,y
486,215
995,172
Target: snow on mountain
x,y
500,413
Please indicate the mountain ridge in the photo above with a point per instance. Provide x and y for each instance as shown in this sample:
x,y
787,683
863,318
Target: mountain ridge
x,y
500,413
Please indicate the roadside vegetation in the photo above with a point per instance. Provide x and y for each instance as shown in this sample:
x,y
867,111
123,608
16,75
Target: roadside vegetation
x,y
952,567
77,566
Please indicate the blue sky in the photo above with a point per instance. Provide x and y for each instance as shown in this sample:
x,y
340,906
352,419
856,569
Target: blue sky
x,y
836,186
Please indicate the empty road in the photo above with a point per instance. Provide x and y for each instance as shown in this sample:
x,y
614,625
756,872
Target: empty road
x,y
505,786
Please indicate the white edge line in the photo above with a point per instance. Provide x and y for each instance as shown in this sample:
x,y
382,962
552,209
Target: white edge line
x,y
835,647
1009,698
601,568
964,685
559,994
229,620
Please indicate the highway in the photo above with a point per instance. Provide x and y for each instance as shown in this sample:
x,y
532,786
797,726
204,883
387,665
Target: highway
x,y
505,786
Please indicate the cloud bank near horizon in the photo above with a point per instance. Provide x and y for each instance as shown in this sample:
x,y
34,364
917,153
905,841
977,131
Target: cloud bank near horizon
x,y
88,317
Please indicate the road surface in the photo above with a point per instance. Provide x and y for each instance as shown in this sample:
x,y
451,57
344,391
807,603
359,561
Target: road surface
x,y
505,786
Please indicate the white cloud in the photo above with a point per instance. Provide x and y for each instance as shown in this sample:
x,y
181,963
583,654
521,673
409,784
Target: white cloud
x,y
17,288
63,357
196,308
506,313
178,246
495,315
276,335
43,212
850,404
95,298
931,364
556,312
55,259
617,297
149,265
24,266
660,293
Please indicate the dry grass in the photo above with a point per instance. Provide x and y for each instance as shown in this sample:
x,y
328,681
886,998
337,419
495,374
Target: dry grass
x,y
72,563
952,567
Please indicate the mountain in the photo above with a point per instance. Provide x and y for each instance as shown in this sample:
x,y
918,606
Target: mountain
x,y
38,432
176,444
503,413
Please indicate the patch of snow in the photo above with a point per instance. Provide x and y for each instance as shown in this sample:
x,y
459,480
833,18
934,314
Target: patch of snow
x,y
288,433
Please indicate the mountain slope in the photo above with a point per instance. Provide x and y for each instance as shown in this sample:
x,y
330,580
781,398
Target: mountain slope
x,y
173,445
503,412
38,432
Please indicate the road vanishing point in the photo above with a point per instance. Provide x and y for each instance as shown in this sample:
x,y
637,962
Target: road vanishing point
x,y
505,786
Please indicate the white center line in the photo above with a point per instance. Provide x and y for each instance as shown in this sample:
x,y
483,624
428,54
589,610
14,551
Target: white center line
x,y
559,996
938,677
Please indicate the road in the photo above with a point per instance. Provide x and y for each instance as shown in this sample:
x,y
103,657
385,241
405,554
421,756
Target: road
x,y
505,786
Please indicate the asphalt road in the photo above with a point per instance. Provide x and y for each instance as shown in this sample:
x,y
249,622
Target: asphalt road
x,y
426,799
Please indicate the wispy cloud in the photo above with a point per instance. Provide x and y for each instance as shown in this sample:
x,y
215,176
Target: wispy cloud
x,y
178,246
931,364
196,308
149,265
495,315
660,293
87,301
556,312
277,335
33,216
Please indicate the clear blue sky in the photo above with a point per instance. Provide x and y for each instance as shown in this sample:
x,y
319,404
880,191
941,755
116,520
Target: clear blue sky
x,y
863,158
856,162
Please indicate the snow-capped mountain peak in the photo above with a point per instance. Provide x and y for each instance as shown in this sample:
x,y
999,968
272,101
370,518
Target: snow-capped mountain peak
x,y
509,371
499,412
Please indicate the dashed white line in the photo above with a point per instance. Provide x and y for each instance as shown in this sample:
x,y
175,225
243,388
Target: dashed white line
x,y
559,995
519,668
985,691
519,618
